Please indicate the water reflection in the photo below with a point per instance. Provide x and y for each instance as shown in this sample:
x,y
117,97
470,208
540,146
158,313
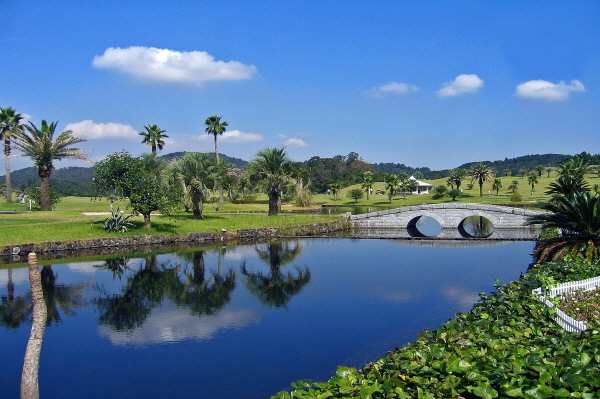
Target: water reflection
x,y
277,288
476,226
226,322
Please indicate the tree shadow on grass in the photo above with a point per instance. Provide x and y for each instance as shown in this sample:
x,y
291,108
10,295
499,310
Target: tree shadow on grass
x,y
159,227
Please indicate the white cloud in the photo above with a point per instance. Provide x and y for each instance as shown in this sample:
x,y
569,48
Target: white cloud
x,y
541,89
94,131
393,88
294,142
170,66
461,85
234,136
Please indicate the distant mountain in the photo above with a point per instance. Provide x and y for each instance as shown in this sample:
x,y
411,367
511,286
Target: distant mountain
x,y
526,162
75,180
239,163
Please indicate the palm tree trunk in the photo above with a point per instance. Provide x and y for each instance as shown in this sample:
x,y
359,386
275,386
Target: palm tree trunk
x,y
274,202
45,204
31,363
7,164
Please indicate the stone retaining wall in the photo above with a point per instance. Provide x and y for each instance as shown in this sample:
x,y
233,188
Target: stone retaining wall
x,y
124,244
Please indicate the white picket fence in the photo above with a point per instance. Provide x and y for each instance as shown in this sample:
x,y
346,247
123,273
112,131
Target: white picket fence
x,y
565,321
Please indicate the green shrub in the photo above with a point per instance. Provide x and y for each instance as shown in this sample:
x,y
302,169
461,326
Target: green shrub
x,y
516,197
33,194
116,223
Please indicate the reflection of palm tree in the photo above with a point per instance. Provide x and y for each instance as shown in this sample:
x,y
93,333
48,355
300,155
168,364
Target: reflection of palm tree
x,y
202,295
63,297
14,311
117,266
277,288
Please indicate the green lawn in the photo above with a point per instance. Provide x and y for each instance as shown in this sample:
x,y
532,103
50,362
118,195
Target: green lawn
x,y
67,222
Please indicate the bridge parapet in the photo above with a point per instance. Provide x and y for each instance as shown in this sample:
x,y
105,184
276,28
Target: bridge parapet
x,y
448,215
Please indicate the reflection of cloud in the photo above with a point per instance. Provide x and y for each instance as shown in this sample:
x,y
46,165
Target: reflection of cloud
x,y
18,276
176,325
84,267
401,296
464,298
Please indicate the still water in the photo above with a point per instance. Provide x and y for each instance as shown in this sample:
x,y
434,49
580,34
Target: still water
x,y
239,322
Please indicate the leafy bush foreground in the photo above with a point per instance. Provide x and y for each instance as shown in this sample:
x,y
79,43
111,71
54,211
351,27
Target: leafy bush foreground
x,y
507,346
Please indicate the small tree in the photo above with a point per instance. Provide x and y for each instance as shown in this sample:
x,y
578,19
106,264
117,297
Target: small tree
x,y
497,185
439,191
507,172
514,186
355,194
367,183
533,180
454,194
130,178
335,189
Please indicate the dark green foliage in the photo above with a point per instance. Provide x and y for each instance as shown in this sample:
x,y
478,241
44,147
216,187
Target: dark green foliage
x,y
355,194
507,346
577,221
440,191
527,162
454,194
33,193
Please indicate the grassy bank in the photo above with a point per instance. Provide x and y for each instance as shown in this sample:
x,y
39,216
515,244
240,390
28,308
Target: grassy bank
x,y
68,222
507,346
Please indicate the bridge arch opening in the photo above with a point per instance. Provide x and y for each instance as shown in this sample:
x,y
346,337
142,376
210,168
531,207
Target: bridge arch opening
x,y
423,226
476,227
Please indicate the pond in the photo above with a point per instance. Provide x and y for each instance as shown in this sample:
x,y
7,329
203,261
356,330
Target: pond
x,y
240,322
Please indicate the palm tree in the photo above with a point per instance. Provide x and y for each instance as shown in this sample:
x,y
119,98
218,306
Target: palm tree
x,y
335,188
10,125
497,185
533,180
481,173
391,185
540,169
514,186
41,146
549,170
196,174
507,172
577,222
568,185
455,177
273,170
367,182
215,127
153,137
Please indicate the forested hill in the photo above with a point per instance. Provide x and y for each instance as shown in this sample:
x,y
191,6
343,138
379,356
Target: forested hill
x,y
526,162
323,172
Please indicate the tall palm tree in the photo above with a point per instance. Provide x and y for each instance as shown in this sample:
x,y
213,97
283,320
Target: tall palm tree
x,y
273,170
215,127
367,182
153,137
577,222
10,125
196,173
481,173
41,146
533,180
391,185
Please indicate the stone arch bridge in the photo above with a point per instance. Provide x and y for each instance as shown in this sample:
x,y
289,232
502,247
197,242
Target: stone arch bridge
x,y
450,217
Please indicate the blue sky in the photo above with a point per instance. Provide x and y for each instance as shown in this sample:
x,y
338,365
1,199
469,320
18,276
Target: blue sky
x,y
424,83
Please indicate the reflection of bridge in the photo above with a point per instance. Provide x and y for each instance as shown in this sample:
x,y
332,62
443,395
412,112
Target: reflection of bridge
x,y
450,217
